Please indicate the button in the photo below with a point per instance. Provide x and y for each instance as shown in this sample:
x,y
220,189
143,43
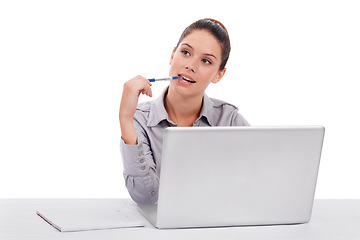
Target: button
x,y
153,193
140,154
142,160
143,168
140,147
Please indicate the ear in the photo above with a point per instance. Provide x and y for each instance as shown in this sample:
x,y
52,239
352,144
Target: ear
x,y
172,55
219,76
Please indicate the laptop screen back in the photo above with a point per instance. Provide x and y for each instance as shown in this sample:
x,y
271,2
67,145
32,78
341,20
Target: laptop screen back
x,y
226,176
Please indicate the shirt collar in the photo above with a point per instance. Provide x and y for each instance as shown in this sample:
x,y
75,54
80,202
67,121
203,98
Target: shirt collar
x,y
207,110
158,112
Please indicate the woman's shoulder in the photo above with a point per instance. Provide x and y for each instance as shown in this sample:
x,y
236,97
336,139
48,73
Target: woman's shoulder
x,y
142,112
225,114
144,107
217,103
150,113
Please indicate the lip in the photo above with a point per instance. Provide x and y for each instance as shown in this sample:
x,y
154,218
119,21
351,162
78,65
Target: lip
x,y
184,81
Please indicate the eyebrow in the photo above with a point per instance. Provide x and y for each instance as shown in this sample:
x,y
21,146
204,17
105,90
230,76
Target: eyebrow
x,y
207,54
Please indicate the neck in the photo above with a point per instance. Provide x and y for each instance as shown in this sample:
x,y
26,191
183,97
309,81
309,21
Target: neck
x,y
182,110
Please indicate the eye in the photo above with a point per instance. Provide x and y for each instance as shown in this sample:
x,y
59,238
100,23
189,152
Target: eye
x,y
185,52
206,61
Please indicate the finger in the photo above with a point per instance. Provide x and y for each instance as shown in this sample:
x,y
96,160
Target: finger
x,y
150,93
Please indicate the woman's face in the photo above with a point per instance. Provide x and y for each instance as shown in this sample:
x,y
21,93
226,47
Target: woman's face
x,y
197,60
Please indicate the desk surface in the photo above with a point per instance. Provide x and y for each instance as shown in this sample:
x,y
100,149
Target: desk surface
x,y
331,219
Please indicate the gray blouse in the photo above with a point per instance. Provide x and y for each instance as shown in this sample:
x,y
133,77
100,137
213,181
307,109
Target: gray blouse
x,y
142,161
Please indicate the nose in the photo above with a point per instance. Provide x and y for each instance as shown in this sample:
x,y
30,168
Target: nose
x,y
190,65
189,68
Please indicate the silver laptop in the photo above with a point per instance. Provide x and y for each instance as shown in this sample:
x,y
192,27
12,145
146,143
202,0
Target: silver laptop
x,y
236,176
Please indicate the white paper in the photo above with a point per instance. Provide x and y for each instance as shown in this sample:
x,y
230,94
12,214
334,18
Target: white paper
x,y
84,218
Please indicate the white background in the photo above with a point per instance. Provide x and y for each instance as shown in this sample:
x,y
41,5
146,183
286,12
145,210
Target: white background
x,y
63,65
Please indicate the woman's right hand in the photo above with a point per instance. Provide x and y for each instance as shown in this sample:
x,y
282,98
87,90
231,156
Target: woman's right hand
x,y
131,92
129,100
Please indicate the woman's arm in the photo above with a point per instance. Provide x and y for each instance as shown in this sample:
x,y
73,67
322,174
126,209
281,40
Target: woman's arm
x,y
141,179
239,120
139,167
129,100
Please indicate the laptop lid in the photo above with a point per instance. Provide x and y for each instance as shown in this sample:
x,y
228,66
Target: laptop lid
x,y
230,176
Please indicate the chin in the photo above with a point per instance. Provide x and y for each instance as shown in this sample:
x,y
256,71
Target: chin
x,y
183,91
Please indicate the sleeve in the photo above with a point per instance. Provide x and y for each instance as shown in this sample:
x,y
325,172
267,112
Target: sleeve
x,y
238,120
140,175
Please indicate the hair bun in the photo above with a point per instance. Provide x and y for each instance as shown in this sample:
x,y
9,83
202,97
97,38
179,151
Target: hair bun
x,y
218,22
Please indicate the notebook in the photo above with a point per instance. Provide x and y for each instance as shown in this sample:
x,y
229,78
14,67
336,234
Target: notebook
x,y
85,217
236,176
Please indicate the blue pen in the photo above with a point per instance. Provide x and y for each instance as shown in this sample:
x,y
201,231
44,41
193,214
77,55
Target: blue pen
x,y
162,79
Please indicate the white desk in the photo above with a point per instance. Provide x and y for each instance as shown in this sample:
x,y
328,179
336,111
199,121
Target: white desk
x,y
331,220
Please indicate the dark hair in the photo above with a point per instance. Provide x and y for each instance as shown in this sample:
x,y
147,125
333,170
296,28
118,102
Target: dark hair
x,y
217,29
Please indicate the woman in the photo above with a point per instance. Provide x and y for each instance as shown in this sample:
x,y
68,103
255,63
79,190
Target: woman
x,y
198,59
